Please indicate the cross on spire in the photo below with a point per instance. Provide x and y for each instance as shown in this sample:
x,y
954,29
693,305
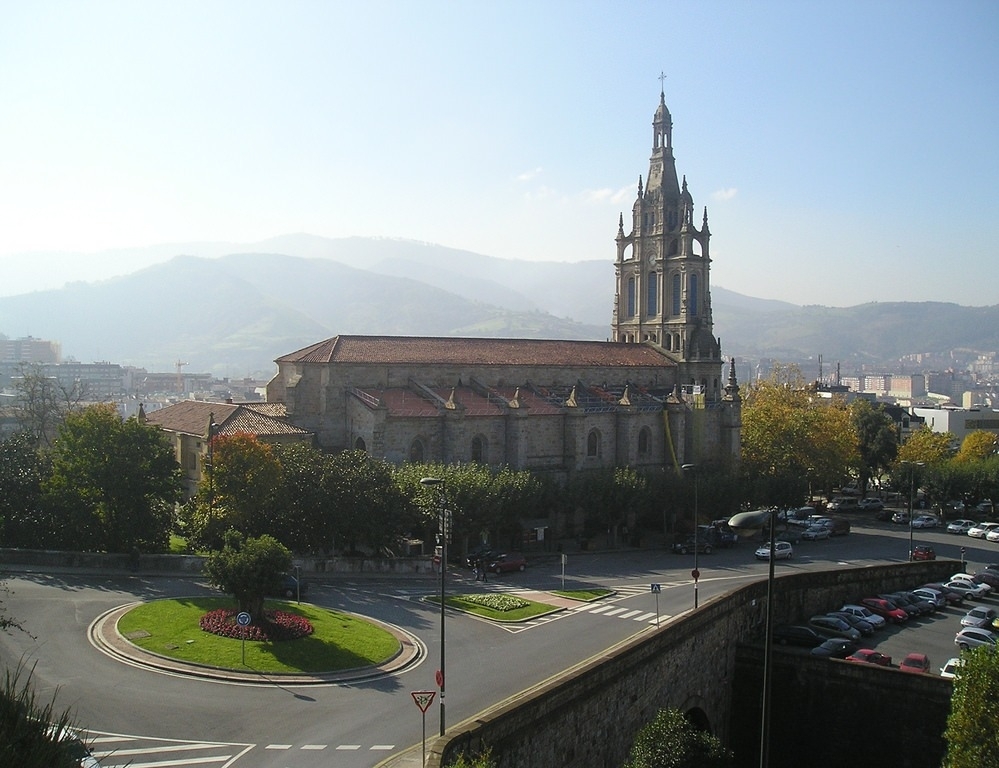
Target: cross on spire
x,y
662,83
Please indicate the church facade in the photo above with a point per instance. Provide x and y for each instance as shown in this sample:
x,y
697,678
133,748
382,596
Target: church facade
x,y
656,395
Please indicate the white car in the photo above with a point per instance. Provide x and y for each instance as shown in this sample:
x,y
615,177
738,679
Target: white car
x,y
815,533
981,529
925,593
992,535
960,526
971,580
925,521
782,551
973,637
979,617
950,668
861,612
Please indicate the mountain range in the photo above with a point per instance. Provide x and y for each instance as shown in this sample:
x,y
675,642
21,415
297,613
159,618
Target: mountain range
x,y
234,311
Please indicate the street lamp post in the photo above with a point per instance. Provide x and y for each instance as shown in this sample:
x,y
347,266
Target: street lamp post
x,y
912,490
747,524
443,531
692,470
212,429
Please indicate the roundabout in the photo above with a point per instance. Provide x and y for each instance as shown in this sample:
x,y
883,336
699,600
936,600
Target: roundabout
x,y
104,635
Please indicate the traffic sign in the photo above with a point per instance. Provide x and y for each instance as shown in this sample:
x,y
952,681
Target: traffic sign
x,y
243,619
657,587
439,677
696,574
424,699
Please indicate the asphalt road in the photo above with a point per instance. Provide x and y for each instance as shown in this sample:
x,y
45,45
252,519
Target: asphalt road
x,y
153,720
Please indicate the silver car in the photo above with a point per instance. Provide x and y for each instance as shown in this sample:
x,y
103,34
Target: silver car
x,y
974,637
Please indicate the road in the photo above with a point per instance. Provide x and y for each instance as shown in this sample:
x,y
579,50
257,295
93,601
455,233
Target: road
x,y
153,720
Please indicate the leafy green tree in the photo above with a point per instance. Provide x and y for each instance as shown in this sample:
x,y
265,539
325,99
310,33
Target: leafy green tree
x,y
248,569
790,436
671,741
42,403
925,445
971,735
113,483
877,440
977,446
308,521
21,470
242,489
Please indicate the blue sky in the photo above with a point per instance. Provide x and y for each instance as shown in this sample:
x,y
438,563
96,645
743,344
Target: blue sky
x,y
846,151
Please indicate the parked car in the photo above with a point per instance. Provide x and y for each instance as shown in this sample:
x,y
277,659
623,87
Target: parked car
x,y
987,577
865,613
915,662
481,552
925,605
950,667
925,521
974,637
816,533
834,648
912,609
838,526
864,627
831,626
979,530
984,507
870,505
796,634
992,535
690,544
980,616
291,587
923,552
782,551
885,609
901,517
967,589
931,595
508,562
869,656
953,598
960,526
843,504
972,580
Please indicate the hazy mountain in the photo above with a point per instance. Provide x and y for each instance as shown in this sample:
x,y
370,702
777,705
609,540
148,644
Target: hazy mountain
x,y
233,314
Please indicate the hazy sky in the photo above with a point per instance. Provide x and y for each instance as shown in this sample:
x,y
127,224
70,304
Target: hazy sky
x,y
847,150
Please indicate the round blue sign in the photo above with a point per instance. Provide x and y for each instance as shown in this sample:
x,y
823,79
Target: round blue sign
x,y
243,619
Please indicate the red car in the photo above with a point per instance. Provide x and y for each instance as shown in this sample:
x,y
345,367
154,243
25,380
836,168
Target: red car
x,y
923,552
915,662
888,611
507,562
871,657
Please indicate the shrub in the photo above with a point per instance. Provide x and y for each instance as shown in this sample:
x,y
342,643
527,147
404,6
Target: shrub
x,y
276,625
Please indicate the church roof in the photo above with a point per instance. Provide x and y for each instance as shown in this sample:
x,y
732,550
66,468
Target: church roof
x,y
422,350
190,417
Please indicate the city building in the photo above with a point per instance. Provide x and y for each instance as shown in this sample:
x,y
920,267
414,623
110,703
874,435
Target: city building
x,y
656,395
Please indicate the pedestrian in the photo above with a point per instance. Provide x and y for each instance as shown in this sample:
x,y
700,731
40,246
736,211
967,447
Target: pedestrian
x,y
482,565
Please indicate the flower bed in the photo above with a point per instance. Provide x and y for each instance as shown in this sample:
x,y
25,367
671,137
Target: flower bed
x,y
501,603
276,625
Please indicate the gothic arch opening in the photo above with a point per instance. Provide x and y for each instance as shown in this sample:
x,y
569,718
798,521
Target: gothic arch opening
x,y
644,440
416,451
593,444
480,453
359,445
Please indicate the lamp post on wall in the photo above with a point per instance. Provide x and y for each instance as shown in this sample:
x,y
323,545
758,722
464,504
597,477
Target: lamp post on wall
x,y
912,491
747,524
444,531
691,469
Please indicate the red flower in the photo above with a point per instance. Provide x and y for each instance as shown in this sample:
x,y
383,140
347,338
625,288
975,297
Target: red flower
x,y
275,626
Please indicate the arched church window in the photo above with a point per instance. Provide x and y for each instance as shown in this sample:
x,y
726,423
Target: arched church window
x,y
676,294
479,455
359,444
693,294
644,440
653,290
631,296
416,451
593,443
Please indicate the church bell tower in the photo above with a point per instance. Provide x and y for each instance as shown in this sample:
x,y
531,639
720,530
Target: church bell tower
x,y
662,292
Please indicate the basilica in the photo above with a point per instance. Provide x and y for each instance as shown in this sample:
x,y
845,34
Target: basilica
x,y
657,395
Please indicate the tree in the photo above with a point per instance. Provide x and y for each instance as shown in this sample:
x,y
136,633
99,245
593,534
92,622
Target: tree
x,y
971,735
876,438
42,403
925,445
248,569
21,472
977,446
113,483
672,741
790,436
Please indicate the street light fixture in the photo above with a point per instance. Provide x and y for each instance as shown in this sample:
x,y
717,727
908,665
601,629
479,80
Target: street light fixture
x,y
747,524
443,532
691,469
912,490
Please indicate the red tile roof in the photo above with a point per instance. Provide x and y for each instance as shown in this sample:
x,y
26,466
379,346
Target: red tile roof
x,y
468,351
191,417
